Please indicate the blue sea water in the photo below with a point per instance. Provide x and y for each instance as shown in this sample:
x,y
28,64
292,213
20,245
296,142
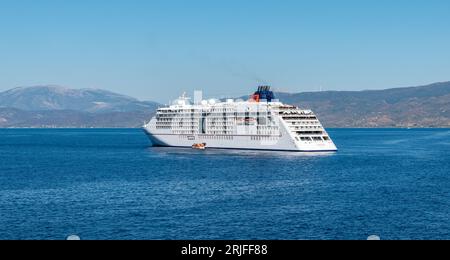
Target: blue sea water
x,y
110,184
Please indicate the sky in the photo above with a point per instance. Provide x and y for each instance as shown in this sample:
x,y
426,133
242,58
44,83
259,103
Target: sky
x,y
156,49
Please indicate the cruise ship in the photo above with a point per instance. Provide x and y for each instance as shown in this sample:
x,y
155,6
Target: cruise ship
x,y
260,123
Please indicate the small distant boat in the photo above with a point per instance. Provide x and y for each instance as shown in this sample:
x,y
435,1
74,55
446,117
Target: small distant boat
x,y
199,146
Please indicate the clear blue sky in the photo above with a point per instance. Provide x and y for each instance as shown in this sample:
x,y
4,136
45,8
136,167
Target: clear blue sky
x,y
154,49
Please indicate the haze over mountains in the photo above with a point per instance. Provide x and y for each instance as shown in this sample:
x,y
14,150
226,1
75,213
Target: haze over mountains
x,y
54,106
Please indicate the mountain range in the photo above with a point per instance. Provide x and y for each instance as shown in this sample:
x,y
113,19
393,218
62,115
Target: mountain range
x,y
55,106
424,106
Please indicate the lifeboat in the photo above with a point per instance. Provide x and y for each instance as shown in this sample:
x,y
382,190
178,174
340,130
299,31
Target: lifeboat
x,y
199,146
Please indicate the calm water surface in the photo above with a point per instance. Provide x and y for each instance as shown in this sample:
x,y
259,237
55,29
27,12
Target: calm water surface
x,y
110,184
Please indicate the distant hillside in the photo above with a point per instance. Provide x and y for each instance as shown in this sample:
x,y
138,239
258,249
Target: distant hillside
x,y
10,117
54,106
426,106
46,98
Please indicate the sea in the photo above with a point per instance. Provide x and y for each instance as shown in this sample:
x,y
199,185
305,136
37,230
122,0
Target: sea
x,y
111,184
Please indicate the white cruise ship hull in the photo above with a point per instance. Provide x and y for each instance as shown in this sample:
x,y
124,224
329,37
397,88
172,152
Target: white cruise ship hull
x,y
238,143
282,142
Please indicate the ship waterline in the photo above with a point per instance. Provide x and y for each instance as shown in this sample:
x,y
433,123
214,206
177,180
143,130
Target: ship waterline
x,y
261,123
